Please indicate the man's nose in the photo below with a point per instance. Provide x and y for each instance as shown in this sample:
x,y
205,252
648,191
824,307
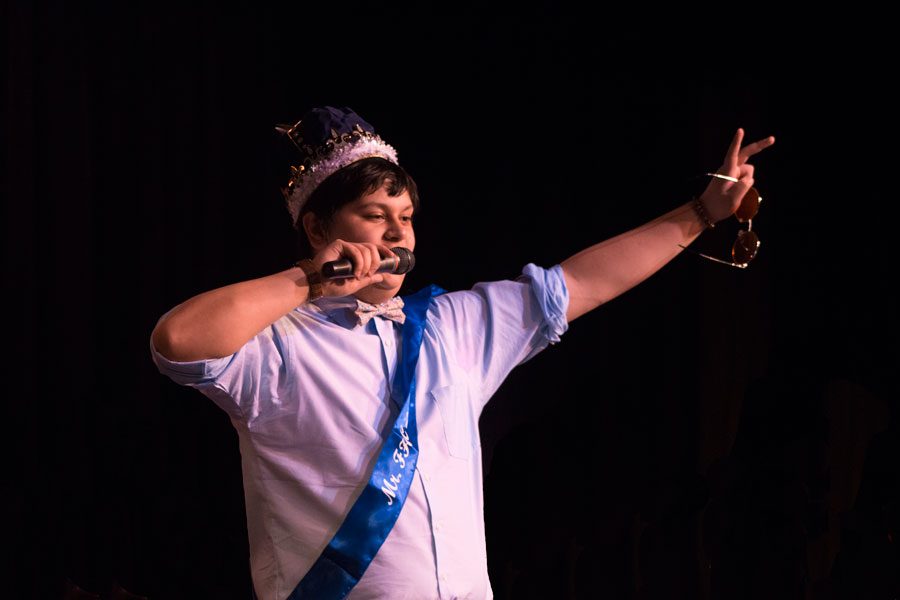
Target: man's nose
x,y
395,230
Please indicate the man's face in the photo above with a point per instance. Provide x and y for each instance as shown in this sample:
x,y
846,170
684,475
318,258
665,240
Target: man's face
x,y
379,219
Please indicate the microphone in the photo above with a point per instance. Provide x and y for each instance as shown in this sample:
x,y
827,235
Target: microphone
x,y
402,262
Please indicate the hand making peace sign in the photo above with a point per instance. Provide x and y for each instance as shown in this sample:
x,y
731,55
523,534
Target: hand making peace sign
x,y
722,197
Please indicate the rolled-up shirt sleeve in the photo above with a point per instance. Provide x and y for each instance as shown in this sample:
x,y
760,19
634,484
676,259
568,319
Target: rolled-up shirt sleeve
x,y
499,325
550,292
242,384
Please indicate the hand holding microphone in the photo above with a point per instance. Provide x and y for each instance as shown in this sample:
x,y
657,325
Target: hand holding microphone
x,y
400,262
346,267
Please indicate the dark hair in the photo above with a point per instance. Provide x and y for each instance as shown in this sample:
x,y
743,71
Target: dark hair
x,y
349,184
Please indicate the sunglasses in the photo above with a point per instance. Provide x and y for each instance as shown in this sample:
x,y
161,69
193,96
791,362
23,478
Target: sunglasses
x,y
747,243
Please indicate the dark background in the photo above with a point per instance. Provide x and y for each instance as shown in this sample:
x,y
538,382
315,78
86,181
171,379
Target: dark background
x,y
711,433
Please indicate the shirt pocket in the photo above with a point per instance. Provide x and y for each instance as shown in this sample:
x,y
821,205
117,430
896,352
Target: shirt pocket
x,y
460,432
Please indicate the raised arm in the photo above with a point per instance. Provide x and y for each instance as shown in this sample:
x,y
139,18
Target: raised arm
x,y
218,322
603,271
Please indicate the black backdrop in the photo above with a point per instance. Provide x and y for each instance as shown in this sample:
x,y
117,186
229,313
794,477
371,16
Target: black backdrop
x,y
710,433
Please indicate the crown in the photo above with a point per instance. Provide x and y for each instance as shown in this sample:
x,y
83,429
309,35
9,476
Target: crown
x,y
328,139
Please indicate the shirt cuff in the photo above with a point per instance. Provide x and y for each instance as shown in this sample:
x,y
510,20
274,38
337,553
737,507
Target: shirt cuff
x,y
189,372
552,295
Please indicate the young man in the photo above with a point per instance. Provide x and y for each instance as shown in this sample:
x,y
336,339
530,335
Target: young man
x,y
357,413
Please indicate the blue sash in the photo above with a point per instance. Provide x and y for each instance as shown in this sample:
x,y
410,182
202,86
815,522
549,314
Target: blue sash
x,y
370,520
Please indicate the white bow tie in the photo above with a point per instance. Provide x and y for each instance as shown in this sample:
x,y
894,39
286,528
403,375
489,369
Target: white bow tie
x,y
391,309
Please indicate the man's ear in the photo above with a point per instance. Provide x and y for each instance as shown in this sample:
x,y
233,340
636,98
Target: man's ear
x,y
314,230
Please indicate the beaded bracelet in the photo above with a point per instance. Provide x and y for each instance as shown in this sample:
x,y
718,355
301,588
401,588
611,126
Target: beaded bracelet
x,y
698,206
313,279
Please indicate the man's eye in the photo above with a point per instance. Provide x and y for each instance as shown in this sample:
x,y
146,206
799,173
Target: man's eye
x,y
374,216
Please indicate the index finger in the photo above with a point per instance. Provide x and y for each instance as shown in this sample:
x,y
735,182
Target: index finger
x,y
756,147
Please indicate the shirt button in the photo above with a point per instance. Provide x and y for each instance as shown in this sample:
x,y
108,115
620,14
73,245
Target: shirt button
x,y
443,578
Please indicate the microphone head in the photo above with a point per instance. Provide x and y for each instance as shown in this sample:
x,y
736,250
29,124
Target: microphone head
x,y
407,260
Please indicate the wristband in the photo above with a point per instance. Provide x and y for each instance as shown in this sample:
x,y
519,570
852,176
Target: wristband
x,y
698,207
313,279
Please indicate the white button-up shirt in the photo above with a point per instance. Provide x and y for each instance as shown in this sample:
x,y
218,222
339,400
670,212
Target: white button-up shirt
x,y
310,398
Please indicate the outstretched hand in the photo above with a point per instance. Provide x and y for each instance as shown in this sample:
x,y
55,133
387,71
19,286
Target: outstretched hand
x,y
722,197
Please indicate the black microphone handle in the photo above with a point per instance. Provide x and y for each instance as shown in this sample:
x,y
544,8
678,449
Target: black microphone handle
x,y
343,268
